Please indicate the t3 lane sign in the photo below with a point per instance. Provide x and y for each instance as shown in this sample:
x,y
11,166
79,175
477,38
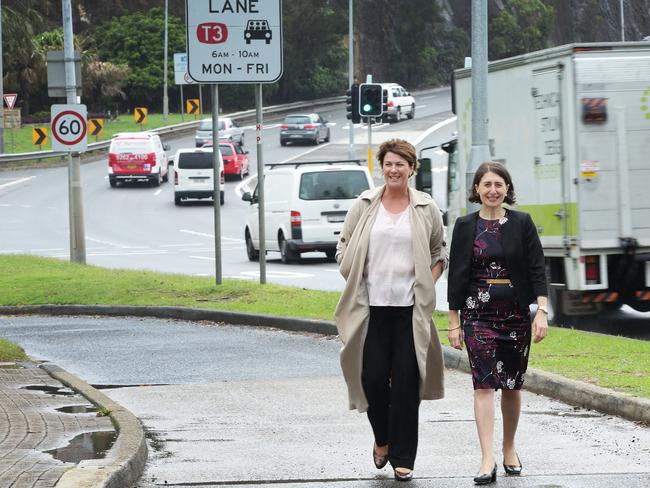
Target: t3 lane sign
x,y
234,41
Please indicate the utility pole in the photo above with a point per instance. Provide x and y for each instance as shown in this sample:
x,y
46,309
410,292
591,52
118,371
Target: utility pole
x,y
2,92
351,150
75,203
165,97
480,151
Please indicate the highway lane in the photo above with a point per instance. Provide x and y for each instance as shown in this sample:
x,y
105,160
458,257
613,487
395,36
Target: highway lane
x,y
139,227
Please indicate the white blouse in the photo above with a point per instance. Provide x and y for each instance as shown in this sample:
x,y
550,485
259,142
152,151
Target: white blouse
x,y
390,268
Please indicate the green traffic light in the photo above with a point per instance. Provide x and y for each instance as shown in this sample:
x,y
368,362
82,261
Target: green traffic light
x,y
367,107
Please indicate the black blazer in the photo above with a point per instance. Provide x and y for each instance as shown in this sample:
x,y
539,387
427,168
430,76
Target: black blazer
x,y
523,254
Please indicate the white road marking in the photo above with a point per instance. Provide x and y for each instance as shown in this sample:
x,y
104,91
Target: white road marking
x,y
420,106
26,206
277,274
113,244
6,204
206,258
157,193
303,154
181,245
434,128
17,182
211,236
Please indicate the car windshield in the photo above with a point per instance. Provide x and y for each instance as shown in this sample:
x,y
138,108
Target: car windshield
x,y
207,125
332,185
297,120
198,160
225,150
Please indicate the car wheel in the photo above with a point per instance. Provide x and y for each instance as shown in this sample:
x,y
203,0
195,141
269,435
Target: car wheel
x,y
327,139
287,256
283,143
177,200
156,180
252,254
112,182
398,114
316,140
241,172
222,198
330,254
412,112
166,177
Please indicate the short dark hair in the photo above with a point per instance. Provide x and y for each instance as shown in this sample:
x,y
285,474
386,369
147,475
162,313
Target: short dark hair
x,y
498,169
403,149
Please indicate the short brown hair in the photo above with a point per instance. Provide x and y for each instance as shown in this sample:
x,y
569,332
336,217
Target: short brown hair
x,y
499,170
403,149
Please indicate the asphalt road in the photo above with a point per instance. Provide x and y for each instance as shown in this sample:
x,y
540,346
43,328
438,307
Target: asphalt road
x,y
231,406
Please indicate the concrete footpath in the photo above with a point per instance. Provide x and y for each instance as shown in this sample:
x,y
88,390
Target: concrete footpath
x,y
288,431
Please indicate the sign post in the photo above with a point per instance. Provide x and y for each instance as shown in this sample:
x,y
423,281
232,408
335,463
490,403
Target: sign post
x,y
235,42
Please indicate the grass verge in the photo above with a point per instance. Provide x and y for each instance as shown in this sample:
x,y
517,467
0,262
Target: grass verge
x,y
11,352
608,361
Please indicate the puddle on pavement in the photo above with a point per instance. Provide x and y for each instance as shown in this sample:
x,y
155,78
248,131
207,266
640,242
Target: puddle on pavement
x,y
52,390
77,409
91,445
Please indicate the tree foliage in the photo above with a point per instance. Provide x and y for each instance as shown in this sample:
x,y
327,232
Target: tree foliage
x,y
522,26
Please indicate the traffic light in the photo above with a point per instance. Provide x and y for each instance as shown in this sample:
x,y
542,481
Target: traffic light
x,y
384,101
370,100
352,102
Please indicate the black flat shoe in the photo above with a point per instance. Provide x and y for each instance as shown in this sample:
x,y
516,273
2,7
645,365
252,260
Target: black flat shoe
x,y
513,470
486,479
403,476
380,460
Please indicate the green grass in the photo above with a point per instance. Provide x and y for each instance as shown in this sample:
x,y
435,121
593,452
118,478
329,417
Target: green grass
x,y
608,361
11,352
22,138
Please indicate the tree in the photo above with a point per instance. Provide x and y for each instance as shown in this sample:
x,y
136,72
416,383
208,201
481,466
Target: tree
x,y
522,26
136,41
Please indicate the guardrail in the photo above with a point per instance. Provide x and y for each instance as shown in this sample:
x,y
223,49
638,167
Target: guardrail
x,y
172,129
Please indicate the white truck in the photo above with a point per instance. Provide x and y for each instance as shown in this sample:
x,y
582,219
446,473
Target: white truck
x,y
572,125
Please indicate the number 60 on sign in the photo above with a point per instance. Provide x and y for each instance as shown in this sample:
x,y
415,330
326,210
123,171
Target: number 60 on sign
x,y
69,127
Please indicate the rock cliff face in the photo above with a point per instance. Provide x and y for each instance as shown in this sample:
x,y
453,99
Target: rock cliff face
x,y
575,20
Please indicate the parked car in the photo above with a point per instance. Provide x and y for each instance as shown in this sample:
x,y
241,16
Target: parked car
x,y
137,156
193,172
305,206
229,130
304,127
400,103
235,159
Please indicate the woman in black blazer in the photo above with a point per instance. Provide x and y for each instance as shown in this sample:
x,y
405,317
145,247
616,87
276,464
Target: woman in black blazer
x,y
496,270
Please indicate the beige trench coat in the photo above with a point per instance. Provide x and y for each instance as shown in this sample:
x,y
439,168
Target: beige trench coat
x,y
352,311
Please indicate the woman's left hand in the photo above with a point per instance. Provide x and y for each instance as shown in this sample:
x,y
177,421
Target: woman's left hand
x,y
540,326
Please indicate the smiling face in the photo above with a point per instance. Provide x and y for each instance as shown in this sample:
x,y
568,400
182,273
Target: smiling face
x,y
396,171
492,190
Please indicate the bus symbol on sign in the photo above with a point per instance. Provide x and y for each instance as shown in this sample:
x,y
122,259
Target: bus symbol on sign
x,y
212,32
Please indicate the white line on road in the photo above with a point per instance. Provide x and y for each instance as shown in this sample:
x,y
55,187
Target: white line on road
x,y
17,182
157,193
303,154
211,236
434,128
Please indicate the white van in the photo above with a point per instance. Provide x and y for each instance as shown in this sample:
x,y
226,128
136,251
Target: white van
x,y
305,205
193,175
400,103
137,156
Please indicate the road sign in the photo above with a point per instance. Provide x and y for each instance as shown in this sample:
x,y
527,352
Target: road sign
x,y
180,70
96,127
140,115
69,127
39,136
234,42
12,119
192,106
10,99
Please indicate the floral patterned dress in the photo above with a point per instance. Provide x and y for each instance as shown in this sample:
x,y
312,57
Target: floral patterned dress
x,y
497,333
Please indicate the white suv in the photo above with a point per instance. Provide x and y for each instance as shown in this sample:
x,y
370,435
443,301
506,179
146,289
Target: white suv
x,y
193,175
400,103
137,156
305,206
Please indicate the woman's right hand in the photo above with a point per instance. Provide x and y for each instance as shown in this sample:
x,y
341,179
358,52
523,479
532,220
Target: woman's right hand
x,y
455,331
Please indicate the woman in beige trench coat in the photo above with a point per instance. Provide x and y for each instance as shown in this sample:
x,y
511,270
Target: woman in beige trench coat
x,y
391,251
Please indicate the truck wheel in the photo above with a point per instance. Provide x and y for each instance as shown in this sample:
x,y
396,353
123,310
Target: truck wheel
x,y
252,254
556,315
287,256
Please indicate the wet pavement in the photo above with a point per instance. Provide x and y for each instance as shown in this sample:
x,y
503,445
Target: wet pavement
x,y
38,443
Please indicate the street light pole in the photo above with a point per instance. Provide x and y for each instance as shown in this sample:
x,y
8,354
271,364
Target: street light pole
x,y
351,151
2,92
165,97
622,22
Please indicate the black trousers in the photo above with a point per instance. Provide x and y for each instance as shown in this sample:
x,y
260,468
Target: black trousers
x,y
391,380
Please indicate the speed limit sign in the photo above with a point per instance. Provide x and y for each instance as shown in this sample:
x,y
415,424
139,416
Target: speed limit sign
x,y
69,127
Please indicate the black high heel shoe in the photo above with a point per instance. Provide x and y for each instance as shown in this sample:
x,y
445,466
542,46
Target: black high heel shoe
x,y
513,470
486,479
403,476
379,459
